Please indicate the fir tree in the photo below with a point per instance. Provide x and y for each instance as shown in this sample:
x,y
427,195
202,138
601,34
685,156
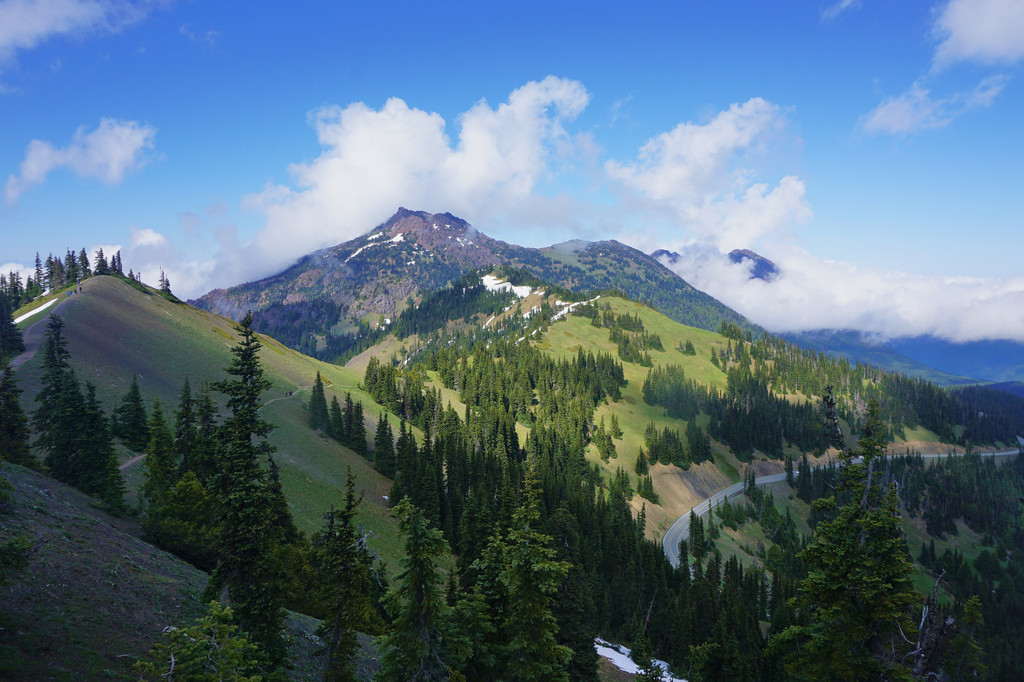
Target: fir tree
x,y
210,649
357,436
60,401
532,576
161,471
100,267
99,474
858,591
336,427
11,342
84,271
319,418
384,447
14,430
343,569
185,433
411,648
246,548
130,419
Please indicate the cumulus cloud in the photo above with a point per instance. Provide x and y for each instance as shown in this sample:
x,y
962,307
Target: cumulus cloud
x,y
24,271
24,24
812,293
916,110
695,173
374,160
112,150
984,31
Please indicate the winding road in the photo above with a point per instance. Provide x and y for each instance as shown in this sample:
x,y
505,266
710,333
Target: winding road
x,y
680,530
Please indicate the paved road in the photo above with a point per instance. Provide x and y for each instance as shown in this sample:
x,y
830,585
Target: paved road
x,y
680,530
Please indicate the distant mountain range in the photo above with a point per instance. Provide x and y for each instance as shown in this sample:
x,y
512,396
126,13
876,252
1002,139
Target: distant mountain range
x,y
932,358
374,276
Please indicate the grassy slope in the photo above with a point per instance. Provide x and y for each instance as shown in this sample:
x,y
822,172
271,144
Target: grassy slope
x,y
678,490
114,331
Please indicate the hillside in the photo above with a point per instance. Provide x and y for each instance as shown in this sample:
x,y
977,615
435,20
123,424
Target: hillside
x,y
114,331
373,277
94,597
538,411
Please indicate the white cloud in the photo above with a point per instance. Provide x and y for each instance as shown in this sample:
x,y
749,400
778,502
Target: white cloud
x,y
984,31
833,11
208,38
24,24
697,174
916,110
375,160
978,31
25,271
812,293
147,237
106,154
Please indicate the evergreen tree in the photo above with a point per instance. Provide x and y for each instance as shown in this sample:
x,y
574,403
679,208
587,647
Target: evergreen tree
x,y
60,401
646,669
319,418
165,284
99,474
246,565
11,343
186,435
347,423
14,430
336,428
161,472
280,518
100,267
209,650
357,436
698,542
641,467
84,271
411,648
39,274
532,576
384,448
858,591
344,570
130,419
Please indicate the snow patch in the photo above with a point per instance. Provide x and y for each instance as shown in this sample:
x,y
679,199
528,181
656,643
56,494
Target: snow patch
x,y
619,656
356,252
568,308
400,237
492,283
22,318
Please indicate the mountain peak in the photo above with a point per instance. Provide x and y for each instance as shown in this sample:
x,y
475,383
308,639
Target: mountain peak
x,y
761,268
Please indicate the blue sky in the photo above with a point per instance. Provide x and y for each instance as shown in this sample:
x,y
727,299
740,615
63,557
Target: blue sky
x,y
875,150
